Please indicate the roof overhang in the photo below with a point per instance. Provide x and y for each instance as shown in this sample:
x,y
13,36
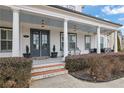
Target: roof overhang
x,y
61,13
85,15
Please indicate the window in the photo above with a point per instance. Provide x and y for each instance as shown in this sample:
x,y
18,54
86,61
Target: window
x,y
72,41
87,42
102,42
5,39
61,41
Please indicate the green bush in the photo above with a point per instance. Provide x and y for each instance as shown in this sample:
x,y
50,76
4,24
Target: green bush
x,y
99,66
15,72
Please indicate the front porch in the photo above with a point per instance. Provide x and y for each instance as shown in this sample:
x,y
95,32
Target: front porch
x,y
47,61
48,31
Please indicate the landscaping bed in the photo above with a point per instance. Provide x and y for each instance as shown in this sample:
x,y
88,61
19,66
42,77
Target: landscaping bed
x,y
96,67
15,72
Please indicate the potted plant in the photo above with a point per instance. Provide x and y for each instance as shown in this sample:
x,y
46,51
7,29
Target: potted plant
x,y
27,54
54,53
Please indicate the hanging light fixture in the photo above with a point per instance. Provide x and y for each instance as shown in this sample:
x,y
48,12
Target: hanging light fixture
x,y
75,28
43,23
88,32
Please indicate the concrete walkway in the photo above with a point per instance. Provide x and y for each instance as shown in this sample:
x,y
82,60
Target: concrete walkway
x,y
68,81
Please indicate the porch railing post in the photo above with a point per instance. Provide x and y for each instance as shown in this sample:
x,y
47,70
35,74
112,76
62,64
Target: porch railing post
x,y
65,38
15,34
98,40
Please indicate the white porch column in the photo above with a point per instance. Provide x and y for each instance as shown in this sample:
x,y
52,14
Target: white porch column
x,y
98,40
65,38
115,42
105,42
15,35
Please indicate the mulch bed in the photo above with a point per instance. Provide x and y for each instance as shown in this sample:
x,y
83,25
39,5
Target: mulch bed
x,y
82,75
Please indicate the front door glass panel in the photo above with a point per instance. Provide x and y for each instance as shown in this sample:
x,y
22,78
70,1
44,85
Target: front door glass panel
x,y
36,41
44,41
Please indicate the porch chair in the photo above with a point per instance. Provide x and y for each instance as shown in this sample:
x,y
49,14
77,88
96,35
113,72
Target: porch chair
x,y
75,51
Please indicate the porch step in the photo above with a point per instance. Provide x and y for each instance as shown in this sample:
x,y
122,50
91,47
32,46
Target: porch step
x,y
47,70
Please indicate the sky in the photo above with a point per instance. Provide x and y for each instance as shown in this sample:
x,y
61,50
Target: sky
x,y
114,13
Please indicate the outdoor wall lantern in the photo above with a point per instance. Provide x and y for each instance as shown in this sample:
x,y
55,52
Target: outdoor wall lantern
x,y
26,36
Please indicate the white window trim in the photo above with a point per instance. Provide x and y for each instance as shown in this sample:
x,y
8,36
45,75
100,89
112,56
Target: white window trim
x,y
85,41
101,41
5,28
68,41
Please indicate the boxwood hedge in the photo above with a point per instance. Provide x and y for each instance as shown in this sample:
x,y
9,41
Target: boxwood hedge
x,y
100,67
15,72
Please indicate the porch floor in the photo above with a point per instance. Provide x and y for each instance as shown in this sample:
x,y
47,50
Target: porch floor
x,y
47,61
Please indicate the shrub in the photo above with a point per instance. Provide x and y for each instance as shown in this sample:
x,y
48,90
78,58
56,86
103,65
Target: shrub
x,y
100,67
15,72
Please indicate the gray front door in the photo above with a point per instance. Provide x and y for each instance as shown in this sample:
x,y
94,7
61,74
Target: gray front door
x,y
40,43
45,46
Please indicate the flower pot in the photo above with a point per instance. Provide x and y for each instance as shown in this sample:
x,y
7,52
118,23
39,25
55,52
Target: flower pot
x,y
27,55
54,54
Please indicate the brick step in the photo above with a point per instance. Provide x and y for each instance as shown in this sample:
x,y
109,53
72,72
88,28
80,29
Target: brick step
x,y
41,71
47,67
49,73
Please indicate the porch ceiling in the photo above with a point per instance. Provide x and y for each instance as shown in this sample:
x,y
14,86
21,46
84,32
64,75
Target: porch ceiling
x,y
36,19
88,28
28,17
